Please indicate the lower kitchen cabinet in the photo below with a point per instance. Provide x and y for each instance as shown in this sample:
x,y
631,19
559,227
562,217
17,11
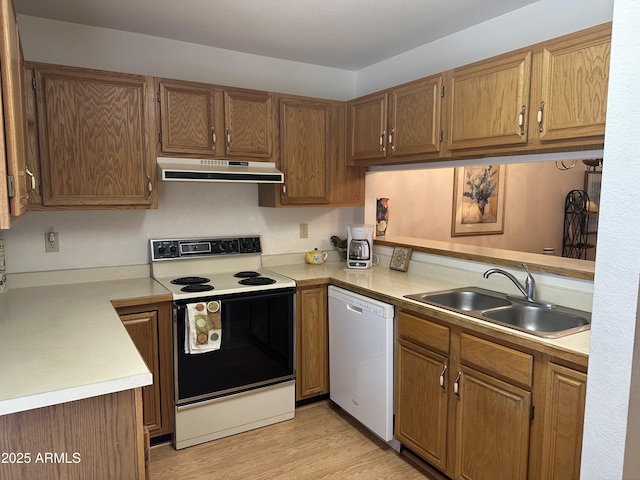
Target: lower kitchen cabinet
x,y
149,326
421,403
562,438
492,427
465,404
312,343
95,437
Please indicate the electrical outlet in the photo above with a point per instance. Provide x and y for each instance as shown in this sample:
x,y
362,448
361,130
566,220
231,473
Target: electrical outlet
x,y
51,243
304,230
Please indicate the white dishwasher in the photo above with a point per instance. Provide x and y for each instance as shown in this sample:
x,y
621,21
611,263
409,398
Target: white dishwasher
x,y
361,359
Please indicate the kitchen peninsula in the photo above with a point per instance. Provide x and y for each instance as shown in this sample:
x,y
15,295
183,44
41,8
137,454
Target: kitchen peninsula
x,y
70,394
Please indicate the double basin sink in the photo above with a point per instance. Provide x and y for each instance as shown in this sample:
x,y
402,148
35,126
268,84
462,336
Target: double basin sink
x,y
548,321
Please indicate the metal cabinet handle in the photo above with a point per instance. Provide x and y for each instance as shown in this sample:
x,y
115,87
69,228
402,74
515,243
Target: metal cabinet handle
x,y
540,111
213,138
456,385
393,147
32,178
228,140
382,138
150,187
444,370
521,120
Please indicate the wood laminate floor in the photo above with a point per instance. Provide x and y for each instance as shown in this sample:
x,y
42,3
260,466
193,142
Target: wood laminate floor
x,y
322,442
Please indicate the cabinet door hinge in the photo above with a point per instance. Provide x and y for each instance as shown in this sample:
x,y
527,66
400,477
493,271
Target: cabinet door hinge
x,y
160,137
442,91
158,96
11,186
33,82
441,135
532,410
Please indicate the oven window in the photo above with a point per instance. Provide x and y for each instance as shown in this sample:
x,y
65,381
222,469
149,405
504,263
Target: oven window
x,y
256,347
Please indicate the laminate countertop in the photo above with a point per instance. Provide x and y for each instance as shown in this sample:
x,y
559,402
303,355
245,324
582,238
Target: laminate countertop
x,y
390,285
62,343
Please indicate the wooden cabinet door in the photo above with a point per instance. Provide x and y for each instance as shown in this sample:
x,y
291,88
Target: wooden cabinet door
x,y
12,117
367,127
143,330
312,343
492,428
187,118
563,424
421,402
488,101
304,150
575,78
149,327
414,118
249,122
94,129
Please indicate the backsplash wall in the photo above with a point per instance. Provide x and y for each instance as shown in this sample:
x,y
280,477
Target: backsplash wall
x,y
120,237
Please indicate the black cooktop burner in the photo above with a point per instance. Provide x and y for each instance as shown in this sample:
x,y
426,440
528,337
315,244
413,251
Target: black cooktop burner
x,y
190,281
197,287
257,281
246,274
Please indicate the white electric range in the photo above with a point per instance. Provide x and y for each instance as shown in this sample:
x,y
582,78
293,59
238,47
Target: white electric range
x,y
233,336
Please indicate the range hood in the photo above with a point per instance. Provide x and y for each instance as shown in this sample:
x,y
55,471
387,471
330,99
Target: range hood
x,y
205,170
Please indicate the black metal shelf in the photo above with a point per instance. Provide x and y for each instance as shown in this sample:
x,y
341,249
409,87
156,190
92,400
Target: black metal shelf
x,y
575,243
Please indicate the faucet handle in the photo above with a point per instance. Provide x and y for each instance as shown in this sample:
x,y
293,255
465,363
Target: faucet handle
x,y
529,283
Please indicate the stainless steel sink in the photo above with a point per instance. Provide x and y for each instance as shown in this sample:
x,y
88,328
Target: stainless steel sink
x,y
466,299
537,319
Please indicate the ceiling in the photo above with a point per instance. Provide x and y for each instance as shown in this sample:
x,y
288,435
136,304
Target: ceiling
x,y
345,34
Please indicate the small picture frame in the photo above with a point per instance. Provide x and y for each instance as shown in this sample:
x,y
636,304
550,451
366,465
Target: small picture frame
x,y
400,259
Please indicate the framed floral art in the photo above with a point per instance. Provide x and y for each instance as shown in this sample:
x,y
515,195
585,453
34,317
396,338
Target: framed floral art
x,y
478,200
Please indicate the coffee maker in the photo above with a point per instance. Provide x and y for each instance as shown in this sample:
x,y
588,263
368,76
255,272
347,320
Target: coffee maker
x,y
359,246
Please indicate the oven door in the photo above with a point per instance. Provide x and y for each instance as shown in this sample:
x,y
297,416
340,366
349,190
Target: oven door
x,y
256,346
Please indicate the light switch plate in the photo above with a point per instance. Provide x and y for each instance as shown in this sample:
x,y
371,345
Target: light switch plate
x,y
304,230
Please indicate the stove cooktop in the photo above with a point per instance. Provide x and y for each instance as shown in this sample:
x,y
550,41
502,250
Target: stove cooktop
x,y
189,268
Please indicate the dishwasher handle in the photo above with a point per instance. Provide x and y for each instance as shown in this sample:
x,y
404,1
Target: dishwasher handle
x,y
354,309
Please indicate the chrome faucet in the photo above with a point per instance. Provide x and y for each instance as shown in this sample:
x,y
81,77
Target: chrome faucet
x,y
529,287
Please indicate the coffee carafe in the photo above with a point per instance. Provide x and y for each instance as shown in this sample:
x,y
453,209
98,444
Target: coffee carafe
x,y
359,245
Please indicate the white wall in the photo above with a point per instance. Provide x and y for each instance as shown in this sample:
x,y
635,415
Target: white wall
x,y
66,43
612,423
534,23
104,238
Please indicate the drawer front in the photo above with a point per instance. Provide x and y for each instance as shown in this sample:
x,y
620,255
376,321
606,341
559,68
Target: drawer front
x,y
497,359
423,332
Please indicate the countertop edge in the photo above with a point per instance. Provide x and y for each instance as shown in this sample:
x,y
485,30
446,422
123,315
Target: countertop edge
x,y
72,394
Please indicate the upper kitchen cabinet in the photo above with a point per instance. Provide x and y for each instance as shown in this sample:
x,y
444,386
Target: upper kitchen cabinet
x,y
367,124
248,124
487,103
13,171
401,124
571,77
312,156
550,96
187,118
202,120
94,131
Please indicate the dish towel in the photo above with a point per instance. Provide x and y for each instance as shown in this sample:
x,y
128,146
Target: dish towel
x,y
203,328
